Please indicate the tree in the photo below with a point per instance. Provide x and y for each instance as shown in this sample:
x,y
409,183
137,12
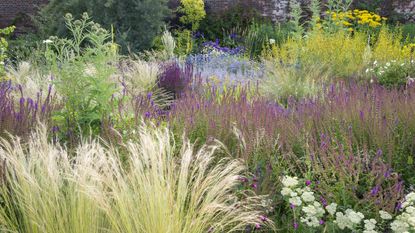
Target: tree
x,y
136,22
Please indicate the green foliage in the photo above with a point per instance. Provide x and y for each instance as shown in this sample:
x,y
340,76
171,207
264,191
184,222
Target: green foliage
x,y
393,73
408,31
24,48
370,5
236,19
184,42
193,12
136,22
82,66
4,46
295,19
262,35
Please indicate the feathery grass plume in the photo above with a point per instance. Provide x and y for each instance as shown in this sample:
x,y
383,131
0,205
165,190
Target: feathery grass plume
x,y
46,190
169,44
30,78
160,193
140,76
295,81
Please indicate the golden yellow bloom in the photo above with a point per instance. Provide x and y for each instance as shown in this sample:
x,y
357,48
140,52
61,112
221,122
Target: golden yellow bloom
x,y
345,23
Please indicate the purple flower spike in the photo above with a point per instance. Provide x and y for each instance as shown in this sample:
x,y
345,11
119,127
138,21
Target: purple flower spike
x,y
292,206
147,115
257,226
323,201
149,95
375,190
321,222
308,183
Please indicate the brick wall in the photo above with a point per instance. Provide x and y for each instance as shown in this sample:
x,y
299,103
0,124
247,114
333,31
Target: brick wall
x,y
277,10
12,10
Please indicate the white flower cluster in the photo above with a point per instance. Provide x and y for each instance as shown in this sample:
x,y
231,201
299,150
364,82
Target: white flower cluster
x,y
296,195
313,211
370,226
379,70
313,214
405,222
349,219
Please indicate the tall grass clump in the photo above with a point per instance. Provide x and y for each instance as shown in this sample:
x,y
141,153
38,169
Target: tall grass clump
x,y
46,189
160,193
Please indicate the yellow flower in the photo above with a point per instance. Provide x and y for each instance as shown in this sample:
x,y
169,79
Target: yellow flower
x,y
345,23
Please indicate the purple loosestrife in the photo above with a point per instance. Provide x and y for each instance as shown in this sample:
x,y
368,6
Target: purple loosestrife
x,y
329,130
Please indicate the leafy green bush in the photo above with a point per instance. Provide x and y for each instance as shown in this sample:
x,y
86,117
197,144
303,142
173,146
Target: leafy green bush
x,y
236,19
3,47
82,66
262,35
393,73
193,12
136,23
408,31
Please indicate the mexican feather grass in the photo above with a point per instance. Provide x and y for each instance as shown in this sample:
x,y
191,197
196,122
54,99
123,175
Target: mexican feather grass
x,y
44,189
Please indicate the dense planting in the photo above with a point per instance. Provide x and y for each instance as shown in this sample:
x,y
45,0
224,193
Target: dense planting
x,y
303,127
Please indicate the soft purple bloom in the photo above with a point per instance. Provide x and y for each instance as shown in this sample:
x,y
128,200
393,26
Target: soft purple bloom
x,y
308,182
295,225
243,179
149,95
263,218
323,201
147,115
375,190
321,222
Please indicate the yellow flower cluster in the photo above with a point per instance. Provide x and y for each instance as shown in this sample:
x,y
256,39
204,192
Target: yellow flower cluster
x,y
354,18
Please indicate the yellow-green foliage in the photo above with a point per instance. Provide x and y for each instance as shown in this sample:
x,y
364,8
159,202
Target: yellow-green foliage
x,y
340,52
389,47
194,12
3,46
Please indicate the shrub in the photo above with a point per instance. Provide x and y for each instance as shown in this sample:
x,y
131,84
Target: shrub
x,y
193,12
233,20
53,191
393,73
136,23
3,48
